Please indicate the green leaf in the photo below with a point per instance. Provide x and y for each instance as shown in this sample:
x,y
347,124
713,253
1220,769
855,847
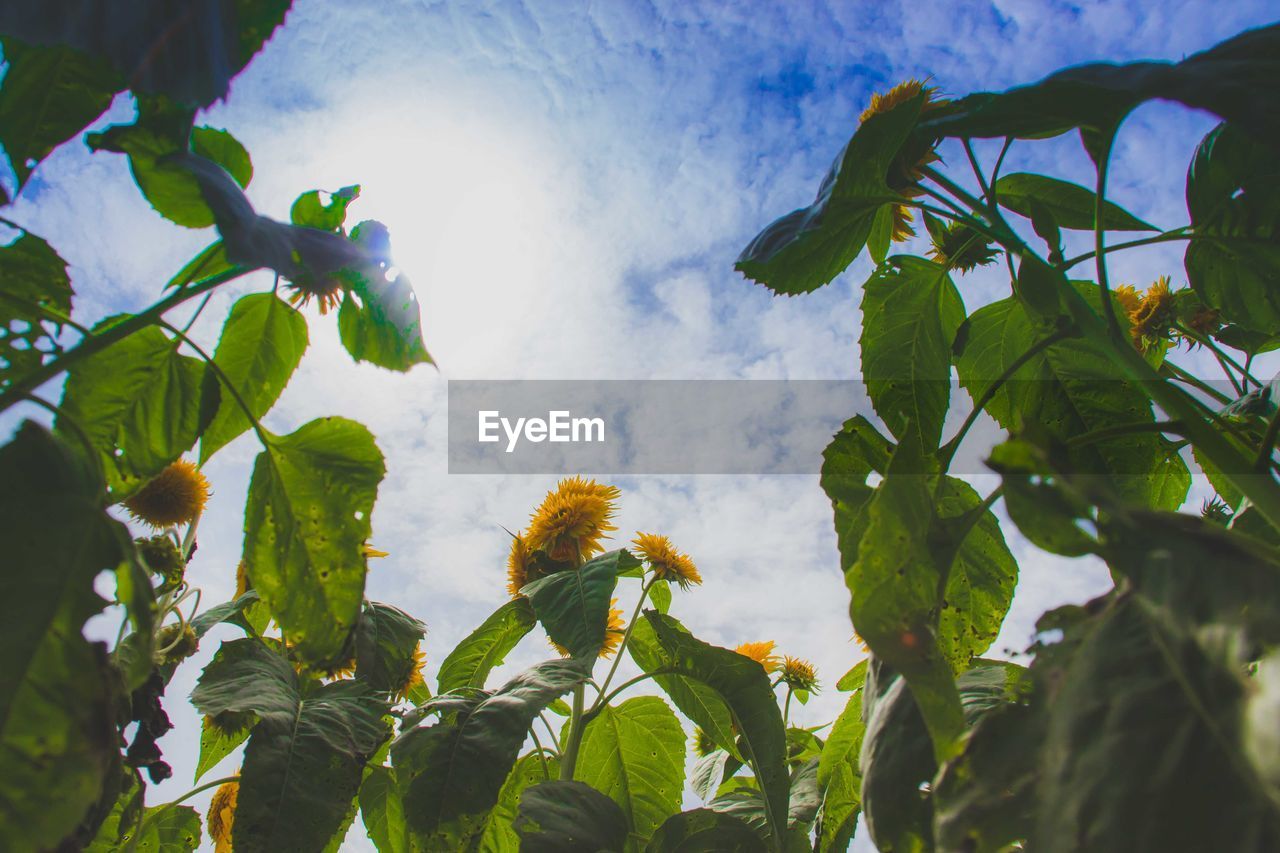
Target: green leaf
x,y
1072,389
854,678
1140,685
452,772
573,605
1232,79
697,701
499,835
49,95
379,320
57,724
809,247
471,661
705,831
189,54
386,647
806,798
261,345
710,771
169,829
216,744
229,611
569,817
1070,205
211,261
743,686
34,277
309,211
219,146
126,809
383,812
660,595
910,313
634,753
1233,197
307,516
140,404
305,757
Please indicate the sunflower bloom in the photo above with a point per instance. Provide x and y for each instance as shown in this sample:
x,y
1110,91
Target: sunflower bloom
x,y
1127,296
519,562
799,674
959,247
326,290
667,563
905,169
174,496
222,814
761,653
243,584
614,630
703,745
1152,318
415,675
572,520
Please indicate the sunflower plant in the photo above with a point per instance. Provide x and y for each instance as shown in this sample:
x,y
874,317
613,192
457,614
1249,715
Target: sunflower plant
x,y
1146,718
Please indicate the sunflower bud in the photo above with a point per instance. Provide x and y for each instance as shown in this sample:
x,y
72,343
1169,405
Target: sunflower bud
x,y
162,558
799,674
175,643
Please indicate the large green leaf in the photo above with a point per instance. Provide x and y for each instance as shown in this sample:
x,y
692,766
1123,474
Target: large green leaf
x,y
386,647
306,520
1233,79
1071,389
471,661
379,321
569,817
573,605
910,313
1233,196
34,277
169,829
705,831
809,247
49,95
1140,686
189,52
140,404
261,345
697,701
57,732
840,775
1070,205
309,211
306,754
452,772
216,743
382,811
743,686
634,752
499,834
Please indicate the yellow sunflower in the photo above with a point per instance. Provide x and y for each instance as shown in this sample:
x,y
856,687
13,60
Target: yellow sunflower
x,y
243,584
174,496
761,653
222,815
327,291
572,520
614,629
415,674
1152,318
915,155
667,563
799,674
1127,296
518,564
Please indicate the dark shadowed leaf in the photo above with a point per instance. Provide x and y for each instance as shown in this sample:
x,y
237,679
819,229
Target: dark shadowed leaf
x,y
34,278
216,743
261,344
382,811
386,647
499,835
1070,205
306,520
569,817
169,829
471,661
705,831
573,605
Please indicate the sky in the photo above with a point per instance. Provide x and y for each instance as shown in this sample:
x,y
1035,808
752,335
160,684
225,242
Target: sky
x,y
567,184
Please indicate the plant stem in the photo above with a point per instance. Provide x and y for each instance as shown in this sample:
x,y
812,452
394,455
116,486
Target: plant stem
x,y
1166,237
786,707
617,658
617,690
977,169
1099,241
569,757
1245,376
99,341
995,172
546,772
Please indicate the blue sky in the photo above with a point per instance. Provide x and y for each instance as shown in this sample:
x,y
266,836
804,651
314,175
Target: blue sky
x,y
567,185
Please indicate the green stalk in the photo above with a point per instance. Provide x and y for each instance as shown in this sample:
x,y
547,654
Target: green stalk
x,y
626,637
577,725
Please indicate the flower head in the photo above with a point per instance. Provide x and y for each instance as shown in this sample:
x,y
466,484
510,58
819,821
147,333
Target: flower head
x,y
222,815
414,679
799,674
915,154
614,629
163,558
703,745
572,520
326,289
174,496
667,563
761,653
1152,319
243,584
959,247
1128,297
899,95
175,643
519,562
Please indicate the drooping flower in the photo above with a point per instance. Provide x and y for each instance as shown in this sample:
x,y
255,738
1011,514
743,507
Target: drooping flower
x,y
667,563
1152,319
518,564
915,155
799,674
703,745
959,247
175,643
325,289
222,815
572,520
414,678
614,630
163,557
174,496
761,653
